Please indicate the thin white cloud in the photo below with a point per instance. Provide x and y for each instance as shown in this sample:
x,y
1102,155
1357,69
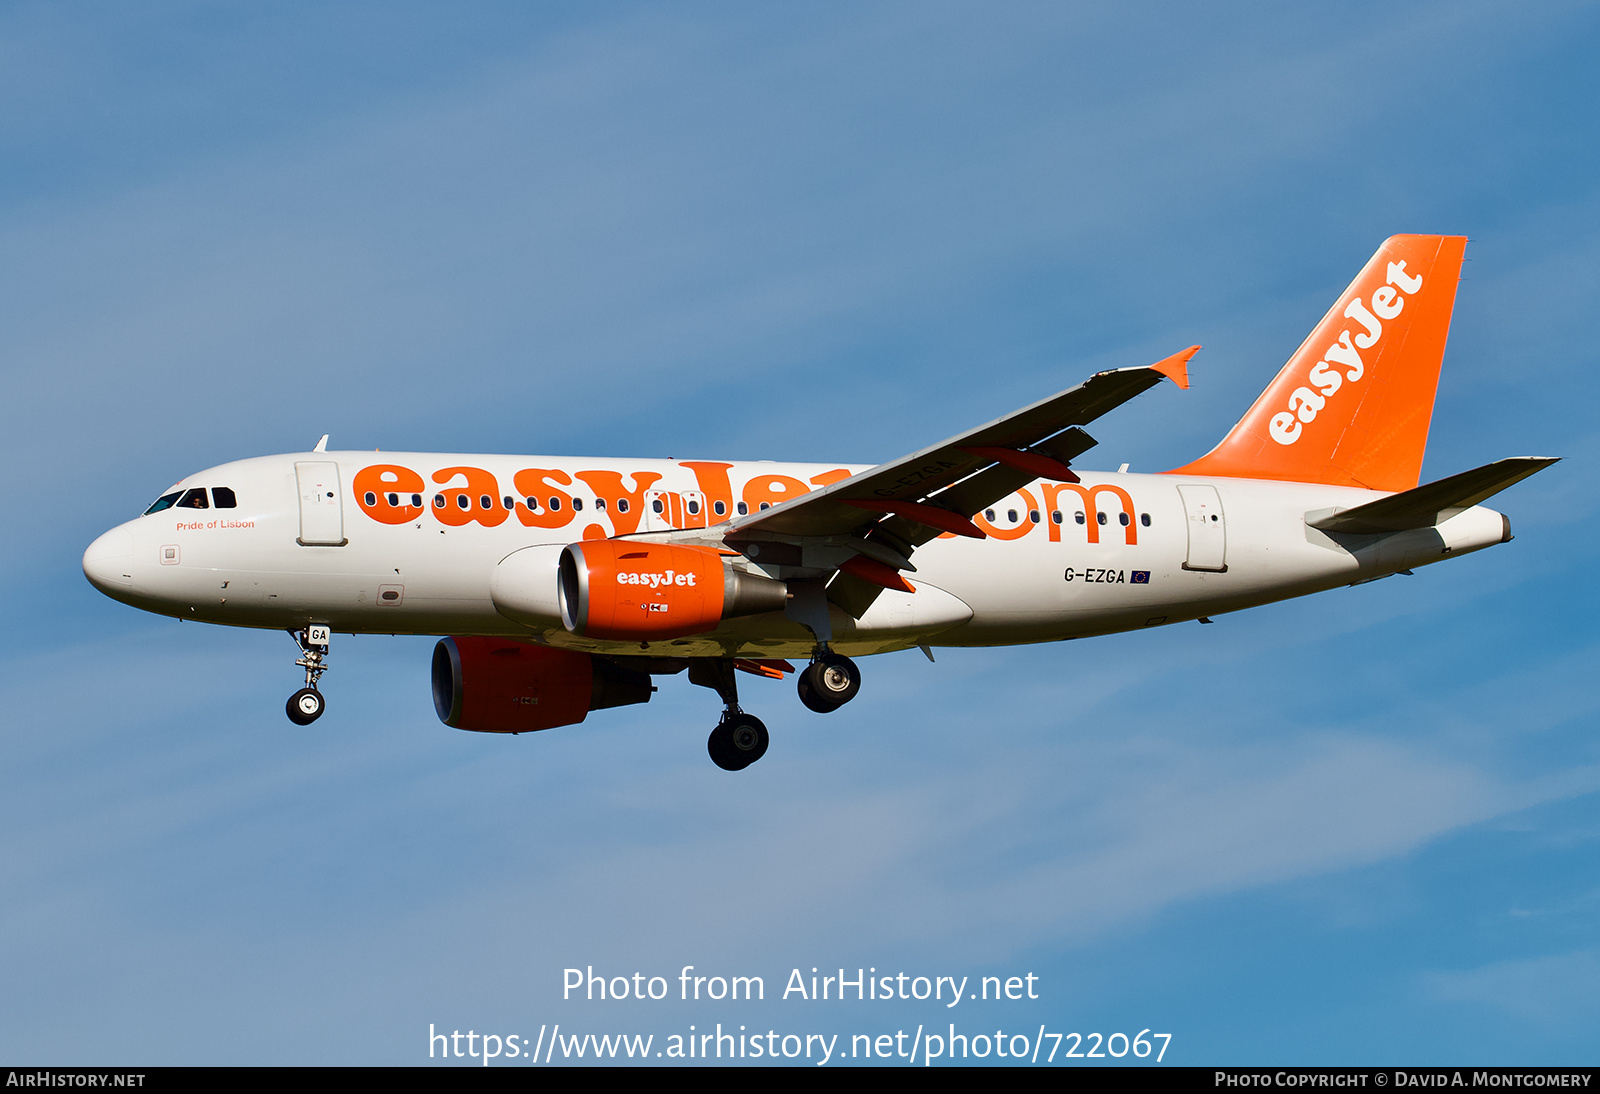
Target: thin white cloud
x,y
1558,992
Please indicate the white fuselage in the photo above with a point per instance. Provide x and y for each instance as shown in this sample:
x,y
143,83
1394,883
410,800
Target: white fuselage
x,y
315,538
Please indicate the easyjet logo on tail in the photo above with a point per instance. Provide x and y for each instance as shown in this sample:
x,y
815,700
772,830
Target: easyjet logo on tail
x,y
1351,406
1345,353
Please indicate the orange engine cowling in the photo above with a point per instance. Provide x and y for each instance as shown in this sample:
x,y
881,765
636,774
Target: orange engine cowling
x,y
630,591
499,685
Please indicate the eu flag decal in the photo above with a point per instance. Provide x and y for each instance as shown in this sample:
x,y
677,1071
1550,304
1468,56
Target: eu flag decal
x,y
1139,577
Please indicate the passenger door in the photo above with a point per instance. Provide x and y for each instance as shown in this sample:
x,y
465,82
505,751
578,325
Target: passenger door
x,y
1208,531
321,505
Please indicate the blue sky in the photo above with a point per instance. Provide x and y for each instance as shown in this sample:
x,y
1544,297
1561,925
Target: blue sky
x,y
1357,828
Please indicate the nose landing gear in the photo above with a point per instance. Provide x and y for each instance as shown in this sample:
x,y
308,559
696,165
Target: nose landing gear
x,y
306,705
829,682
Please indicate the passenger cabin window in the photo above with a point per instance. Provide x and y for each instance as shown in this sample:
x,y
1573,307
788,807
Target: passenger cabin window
x,y
223,498
463,502
416,500
165,501
372,499
1122,519
622,505
1033,515
743,509
656,506
1101,517
194,499
720,508
600,505
555,505
1144,519
393,500
485,502
511,502
694,507
988,515
1055,516
1078,516
438,501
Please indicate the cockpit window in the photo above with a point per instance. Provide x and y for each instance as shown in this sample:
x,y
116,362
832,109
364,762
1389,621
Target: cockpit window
x,y
194,499
223,498
163,502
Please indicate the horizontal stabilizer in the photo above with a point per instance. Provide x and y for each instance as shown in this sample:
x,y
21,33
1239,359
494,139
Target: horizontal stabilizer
x,y
1432,504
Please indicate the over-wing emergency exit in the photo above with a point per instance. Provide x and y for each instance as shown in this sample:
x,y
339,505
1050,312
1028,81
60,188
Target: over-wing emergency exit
x,y
566,585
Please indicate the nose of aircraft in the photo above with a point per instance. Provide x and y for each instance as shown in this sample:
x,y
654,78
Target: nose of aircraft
x,y
108,563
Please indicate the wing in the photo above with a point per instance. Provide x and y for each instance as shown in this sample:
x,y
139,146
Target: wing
x,y
869,524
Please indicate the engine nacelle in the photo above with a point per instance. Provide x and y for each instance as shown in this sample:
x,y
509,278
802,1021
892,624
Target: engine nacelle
x,y
631,591
526,585
500,685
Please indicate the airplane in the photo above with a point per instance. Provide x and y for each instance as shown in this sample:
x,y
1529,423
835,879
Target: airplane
x,y
565,585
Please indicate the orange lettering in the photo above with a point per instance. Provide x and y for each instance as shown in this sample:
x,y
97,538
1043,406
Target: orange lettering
x,y
459,505
712,478
533,483
382,480
772,489
1053,490
608,485
1019,531
671,503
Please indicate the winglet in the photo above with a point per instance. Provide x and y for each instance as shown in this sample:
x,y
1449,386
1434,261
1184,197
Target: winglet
x,y
1176,367
322,445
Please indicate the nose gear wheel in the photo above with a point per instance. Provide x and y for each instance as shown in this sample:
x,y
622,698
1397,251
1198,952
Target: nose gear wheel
x,y
305,706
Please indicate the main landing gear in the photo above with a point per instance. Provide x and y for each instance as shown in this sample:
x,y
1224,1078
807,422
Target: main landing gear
x,y
740,739
829,682
306,705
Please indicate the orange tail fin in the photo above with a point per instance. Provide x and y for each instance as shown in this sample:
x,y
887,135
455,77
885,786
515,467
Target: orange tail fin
x,y
1352,406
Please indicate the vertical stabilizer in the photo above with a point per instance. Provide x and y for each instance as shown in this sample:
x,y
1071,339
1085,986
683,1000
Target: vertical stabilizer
x,y
1352,406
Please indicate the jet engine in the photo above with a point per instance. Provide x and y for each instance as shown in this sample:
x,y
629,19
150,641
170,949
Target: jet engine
x,y
499,685
631,591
